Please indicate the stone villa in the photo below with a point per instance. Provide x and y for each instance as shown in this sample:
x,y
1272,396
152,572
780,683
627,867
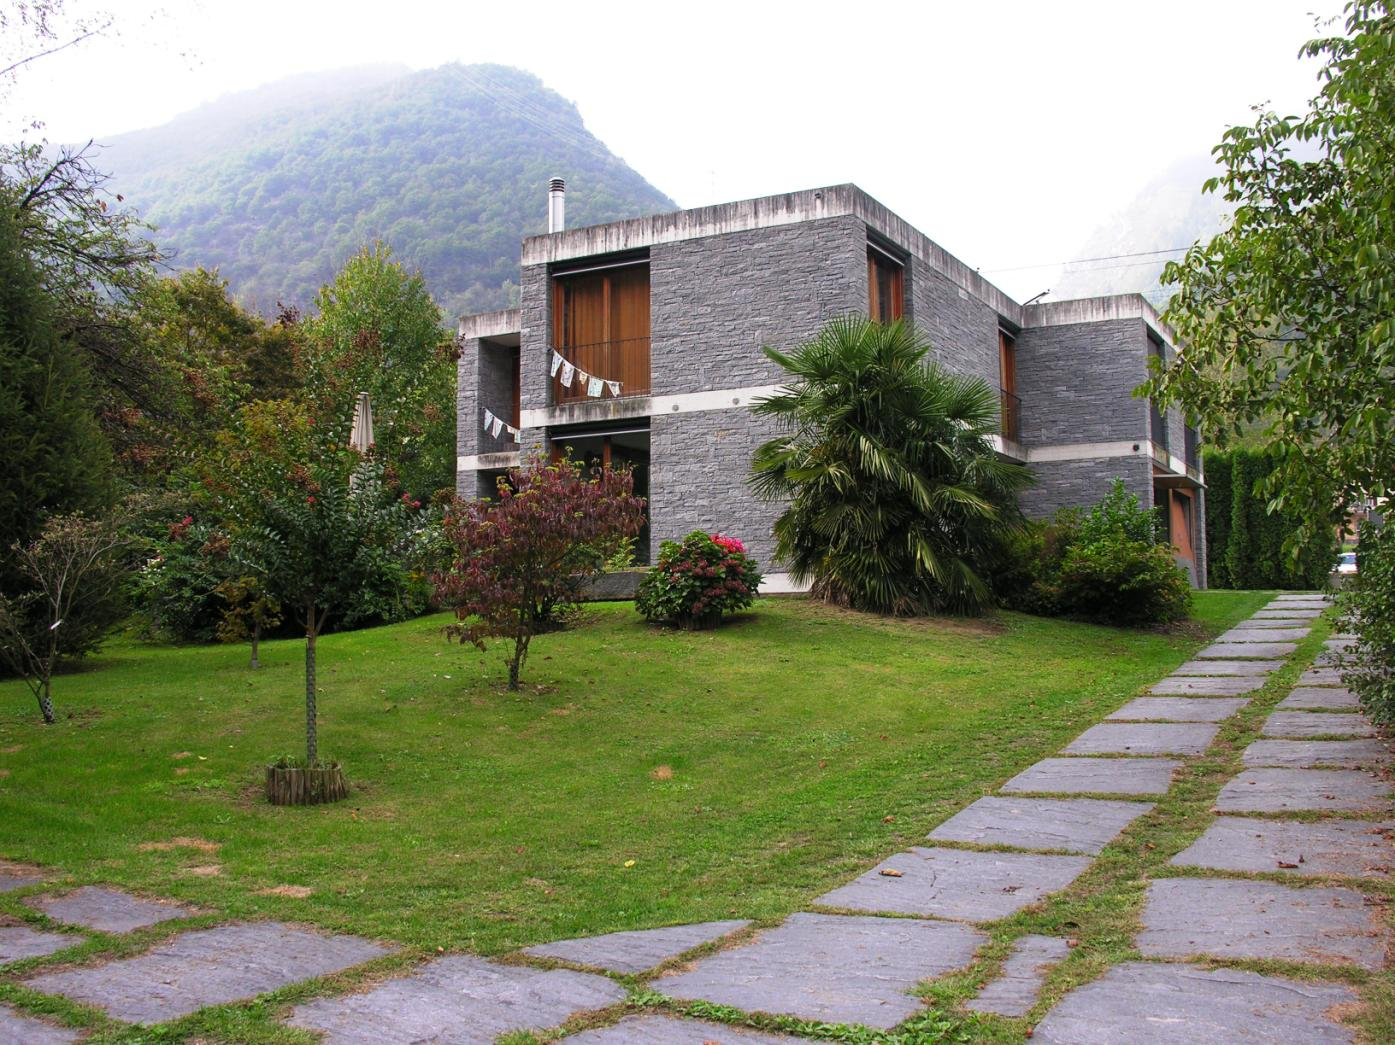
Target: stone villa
x,y
640,341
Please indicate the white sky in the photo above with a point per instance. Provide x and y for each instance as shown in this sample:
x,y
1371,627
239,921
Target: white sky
x,y
1005,131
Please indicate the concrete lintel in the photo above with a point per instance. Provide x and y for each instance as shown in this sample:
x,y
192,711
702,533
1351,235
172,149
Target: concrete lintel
x,y
646,406
487,462
491,324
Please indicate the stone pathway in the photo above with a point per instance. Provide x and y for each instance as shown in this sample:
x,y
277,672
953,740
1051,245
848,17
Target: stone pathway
x,y
916,916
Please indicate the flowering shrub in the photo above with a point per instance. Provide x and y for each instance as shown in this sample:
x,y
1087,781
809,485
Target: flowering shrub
x,y
697,581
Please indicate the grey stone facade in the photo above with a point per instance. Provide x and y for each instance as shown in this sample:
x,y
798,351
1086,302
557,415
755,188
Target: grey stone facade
x,y
727,281
1076,382
716,302
1071,484
698,468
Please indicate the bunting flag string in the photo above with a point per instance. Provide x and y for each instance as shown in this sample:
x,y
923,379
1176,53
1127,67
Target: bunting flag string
x,y
494,424
594,386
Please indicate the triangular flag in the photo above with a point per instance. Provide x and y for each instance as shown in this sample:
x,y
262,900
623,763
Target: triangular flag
x,y
494,431
583,377
513,432
594,387
567,371
614,387
488,418
556,363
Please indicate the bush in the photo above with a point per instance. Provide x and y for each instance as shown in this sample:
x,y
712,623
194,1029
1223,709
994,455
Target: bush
x,y
178,588
1107,565
694,583
1369,605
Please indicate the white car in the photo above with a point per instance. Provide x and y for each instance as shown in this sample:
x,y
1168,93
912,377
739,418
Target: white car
x,y
1346,562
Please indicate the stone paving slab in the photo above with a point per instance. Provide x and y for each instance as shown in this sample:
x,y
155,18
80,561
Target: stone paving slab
x,y
1354,848
1341,644
1287,612
107,910
1250,635
1321,677
1144,738
1230,918
13,877
1320,698
1299,754
831,967
1268,623
1303,596
1077,825
1177,709
1102,776
18,942
206,967
1247,668
1332,659
1240,650
1015,991
1299,724
458,1000
1197,686
957,883
1149,1003
638,949
1295,790
666,1030
17,1029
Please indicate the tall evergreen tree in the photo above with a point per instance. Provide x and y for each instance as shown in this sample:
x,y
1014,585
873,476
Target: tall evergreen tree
x,y
55,456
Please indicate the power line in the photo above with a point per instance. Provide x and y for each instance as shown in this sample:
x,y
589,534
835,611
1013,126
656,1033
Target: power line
x,y
1081,261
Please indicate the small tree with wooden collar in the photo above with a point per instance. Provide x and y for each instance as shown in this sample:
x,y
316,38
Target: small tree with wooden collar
x,y
312,519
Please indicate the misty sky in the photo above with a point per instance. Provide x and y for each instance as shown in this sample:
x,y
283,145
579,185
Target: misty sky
x,y
1005,131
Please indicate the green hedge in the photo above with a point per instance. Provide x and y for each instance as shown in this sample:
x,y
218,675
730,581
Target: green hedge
x,y
1245,542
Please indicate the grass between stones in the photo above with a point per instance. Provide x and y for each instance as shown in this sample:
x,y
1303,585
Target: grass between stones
x,y
1102,909
744,772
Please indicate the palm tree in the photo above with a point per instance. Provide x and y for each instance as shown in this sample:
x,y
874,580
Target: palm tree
x,y
896,498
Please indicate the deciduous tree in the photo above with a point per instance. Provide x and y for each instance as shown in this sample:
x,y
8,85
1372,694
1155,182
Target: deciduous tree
x,y
530,549
1288,316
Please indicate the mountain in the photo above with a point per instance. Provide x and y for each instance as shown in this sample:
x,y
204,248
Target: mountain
x,y
277,186
1169,212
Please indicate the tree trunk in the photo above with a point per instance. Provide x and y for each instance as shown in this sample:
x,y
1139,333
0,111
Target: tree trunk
x,y
256,641
513,664
312,739
46,702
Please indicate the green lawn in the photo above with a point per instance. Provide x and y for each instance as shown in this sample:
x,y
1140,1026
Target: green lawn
x,y
643,778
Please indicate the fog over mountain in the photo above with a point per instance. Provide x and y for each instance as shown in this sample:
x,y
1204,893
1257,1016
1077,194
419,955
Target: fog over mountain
x,y
1170,212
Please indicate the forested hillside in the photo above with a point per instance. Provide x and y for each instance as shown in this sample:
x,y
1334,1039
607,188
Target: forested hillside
x,y
277,187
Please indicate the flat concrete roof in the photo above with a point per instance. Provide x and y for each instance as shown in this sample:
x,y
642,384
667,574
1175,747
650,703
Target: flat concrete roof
x,y
792,208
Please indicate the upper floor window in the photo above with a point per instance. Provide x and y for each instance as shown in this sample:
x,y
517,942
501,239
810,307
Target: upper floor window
x,y
1011,405
885,286
600,325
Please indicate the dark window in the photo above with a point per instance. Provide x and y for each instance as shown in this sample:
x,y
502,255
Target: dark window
x,y
885,287
1159,421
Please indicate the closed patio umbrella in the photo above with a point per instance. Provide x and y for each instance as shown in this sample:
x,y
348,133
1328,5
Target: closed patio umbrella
x,y
361,437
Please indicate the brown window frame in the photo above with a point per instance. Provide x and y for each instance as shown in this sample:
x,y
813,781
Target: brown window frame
x,y
630,349
878,261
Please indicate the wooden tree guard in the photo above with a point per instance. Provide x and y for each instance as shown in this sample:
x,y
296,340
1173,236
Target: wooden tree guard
x,y
294,786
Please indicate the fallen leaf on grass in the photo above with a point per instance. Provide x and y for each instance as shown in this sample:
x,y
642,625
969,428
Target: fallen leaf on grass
x,y
182,754
1287,866
662,772
888,819
629,863
887,872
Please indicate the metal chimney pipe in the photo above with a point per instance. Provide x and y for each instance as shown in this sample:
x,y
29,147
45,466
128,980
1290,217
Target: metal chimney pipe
x,y
556,205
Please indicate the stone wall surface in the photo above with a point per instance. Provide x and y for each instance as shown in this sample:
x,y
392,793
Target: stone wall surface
x,y
716,302
1071,484
1076,382
699,464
